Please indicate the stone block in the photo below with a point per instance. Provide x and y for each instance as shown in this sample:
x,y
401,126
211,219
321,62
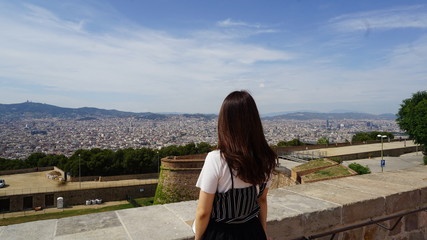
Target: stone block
x,y
116,233
282,221
31,230
316,214
423,197
352,234
356,205
287,228
402,201
398,227
86,223
422,219
374,232
418,235
154,222
186,211
411,222
398,197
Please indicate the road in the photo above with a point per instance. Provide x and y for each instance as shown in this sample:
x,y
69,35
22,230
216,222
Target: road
x,y
391,163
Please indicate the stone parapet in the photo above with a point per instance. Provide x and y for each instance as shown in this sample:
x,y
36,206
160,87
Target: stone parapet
x,y
294,212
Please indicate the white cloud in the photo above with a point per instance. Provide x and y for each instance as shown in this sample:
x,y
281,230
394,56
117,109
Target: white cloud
x,y
37,47
230,23
129,67
403,17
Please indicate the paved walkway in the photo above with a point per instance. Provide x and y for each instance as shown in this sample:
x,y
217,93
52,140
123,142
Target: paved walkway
x,y
361,148
405,161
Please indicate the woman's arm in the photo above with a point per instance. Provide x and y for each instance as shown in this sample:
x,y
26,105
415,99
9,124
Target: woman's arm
x,y
262,202
203,213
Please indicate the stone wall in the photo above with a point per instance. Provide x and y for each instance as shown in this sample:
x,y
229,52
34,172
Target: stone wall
x,y
130,176
285,150
387,152
178,177
79,197
306,211
25,170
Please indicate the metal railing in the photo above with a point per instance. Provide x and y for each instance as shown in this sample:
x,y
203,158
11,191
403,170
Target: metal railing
x,y
377,221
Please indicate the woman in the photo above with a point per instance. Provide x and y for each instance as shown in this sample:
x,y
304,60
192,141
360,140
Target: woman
x,y
235,178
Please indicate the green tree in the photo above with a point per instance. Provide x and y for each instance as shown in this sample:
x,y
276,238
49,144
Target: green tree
x,y
412,117
323,141
370,136
293,142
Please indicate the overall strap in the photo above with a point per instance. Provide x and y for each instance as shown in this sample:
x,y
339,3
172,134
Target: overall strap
x,y
232,191
231,175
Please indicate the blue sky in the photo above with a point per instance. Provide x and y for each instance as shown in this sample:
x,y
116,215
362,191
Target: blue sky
x,y
186,56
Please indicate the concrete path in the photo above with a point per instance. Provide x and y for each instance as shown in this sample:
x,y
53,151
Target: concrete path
x,y
405,161
336,151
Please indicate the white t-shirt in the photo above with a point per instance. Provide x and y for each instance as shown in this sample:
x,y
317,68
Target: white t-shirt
x,y
215,175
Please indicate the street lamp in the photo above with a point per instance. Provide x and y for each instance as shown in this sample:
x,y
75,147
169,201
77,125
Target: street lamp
x,y
158,160
80,174
382,151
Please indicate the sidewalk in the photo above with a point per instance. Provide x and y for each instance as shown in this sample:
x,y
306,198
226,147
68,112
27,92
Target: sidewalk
x,y
405,161
54,209
336,151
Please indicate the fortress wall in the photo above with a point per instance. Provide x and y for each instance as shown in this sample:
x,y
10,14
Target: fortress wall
x,y
283,150
315,210
306,211
25,170
127,177
79,197
179,175
387,152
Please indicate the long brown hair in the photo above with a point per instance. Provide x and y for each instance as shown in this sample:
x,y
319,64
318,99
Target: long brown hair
x,y
241,139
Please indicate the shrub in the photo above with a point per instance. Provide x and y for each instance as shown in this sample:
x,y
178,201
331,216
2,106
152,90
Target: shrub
x,y
425,160
336,159
359,168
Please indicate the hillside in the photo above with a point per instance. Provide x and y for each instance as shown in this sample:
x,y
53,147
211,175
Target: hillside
x,y
41,110
334,116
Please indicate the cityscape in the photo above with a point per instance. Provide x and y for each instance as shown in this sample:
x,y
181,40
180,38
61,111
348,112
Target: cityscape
x,y
22,137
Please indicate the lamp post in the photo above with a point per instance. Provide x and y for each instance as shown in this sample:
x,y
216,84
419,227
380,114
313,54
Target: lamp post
x,y
80,174
158,160
382,151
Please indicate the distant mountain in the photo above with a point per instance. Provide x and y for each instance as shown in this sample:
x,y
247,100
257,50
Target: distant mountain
x,y
333,116
274,114
41,110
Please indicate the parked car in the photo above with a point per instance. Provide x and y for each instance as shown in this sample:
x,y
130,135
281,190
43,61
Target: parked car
x,y
2,183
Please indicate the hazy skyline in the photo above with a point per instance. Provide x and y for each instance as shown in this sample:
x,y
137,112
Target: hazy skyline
x,y
186,56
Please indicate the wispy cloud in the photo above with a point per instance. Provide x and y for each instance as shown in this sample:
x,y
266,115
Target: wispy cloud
x,y
38,47
47,56
231,23
401,17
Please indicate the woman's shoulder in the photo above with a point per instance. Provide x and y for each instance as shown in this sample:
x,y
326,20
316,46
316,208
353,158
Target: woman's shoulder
x,y
215,157
214,153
